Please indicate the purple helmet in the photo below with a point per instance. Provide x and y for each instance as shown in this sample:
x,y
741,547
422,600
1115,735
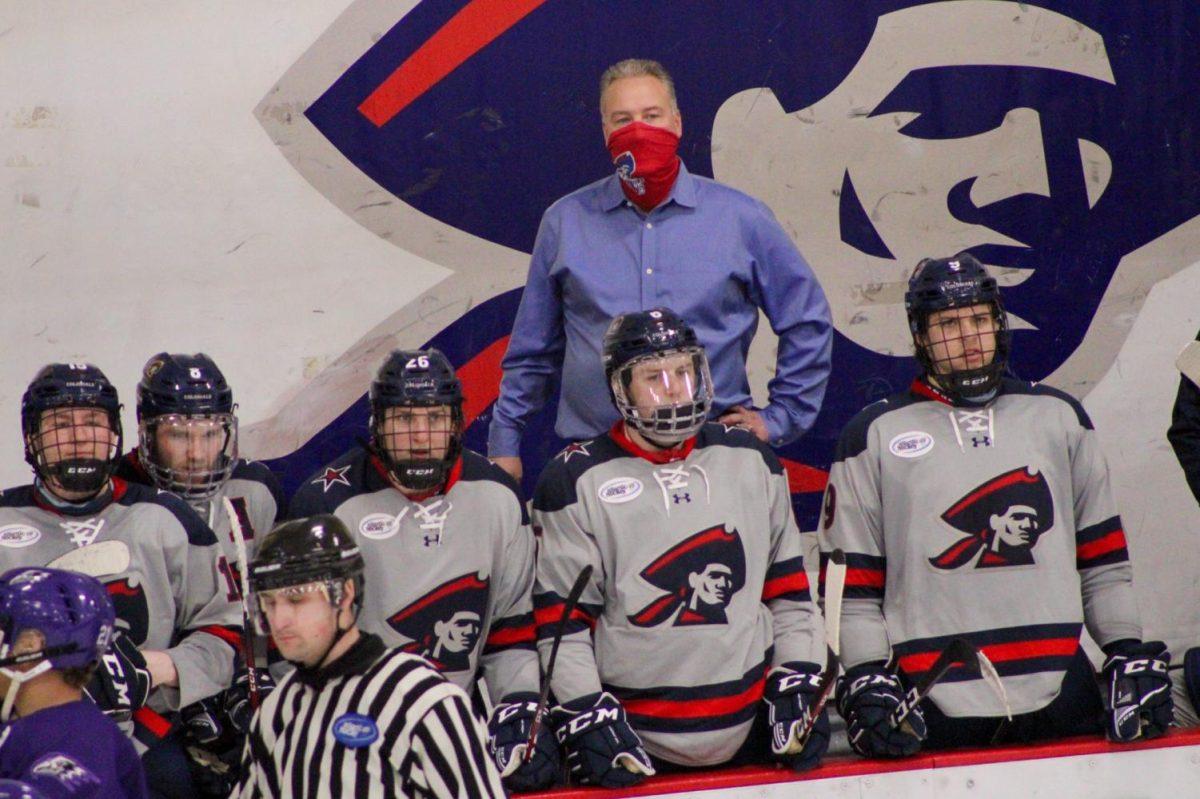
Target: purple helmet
x,y
72,612
15,789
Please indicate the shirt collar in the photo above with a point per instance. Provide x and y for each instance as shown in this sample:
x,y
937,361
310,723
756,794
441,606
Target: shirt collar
x,y
682,193
361,655
658,456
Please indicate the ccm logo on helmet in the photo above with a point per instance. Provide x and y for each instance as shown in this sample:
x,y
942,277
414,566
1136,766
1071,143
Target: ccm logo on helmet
x,y
620,489
913,444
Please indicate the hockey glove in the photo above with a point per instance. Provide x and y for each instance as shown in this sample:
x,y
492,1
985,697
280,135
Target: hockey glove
x,y
121,682
602,749
1138,700
235,701
508,735
790,693
866,698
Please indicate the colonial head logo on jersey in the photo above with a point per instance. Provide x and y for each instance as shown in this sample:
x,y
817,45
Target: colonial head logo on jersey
x,y
445,623
129,602
1003,519
700,575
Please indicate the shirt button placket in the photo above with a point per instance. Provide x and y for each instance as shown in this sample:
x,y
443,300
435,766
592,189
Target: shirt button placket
x,y
649,266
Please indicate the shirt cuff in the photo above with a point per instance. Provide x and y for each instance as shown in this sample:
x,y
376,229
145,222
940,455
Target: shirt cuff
x,y
503,441
778,425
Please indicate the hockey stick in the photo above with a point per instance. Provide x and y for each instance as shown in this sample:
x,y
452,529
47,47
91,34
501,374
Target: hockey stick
x,y
959,650
992,678
568,608
239,544
835,584
102,559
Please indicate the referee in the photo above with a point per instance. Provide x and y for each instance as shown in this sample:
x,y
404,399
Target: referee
x,y
353,719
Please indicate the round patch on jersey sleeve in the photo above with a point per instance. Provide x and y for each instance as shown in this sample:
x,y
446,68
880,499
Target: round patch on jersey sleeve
x,y
19,535
912,444
620,489
355,730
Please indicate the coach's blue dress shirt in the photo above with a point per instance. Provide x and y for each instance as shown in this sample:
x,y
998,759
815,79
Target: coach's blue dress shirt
x,y
712,254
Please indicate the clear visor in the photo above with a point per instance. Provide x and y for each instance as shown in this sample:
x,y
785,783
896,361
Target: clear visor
x,y
267,601
666,396
191,456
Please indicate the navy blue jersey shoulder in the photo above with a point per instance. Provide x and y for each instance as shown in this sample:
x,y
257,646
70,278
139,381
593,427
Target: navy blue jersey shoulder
x,y
17,497
129,468
259,472
475,467
556,485
853,439
1014,386
714,434
328,487
198,533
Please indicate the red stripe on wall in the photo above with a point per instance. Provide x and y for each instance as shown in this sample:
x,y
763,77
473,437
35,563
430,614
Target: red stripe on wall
x,y
474,27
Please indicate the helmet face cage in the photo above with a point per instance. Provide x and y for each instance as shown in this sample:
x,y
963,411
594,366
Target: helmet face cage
x,y
665,396
75,447
419,444
189,455
965,352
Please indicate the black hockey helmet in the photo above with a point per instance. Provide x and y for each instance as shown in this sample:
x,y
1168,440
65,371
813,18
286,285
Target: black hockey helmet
x,y
188,393
70,385
316,550
959,281
416,379
642,336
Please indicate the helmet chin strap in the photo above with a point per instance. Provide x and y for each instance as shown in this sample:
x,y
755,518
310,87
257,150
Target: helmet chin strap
x,y
16,678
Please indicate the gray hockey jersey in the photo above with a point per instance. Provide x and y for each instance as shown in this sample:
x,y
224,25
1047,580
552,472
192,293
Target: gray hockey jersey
x,y
994,523
448,577
168,592
256,496
698,586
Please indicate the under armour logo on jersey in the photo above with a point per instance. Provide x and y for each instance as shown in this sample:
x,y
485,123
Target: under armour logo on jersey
x,y
672,479
82,534
432,520
976,425
571,450
333,477
984,441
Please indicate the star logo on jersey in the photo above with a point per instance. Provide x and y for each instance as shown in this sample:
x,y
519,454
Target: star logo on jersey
x,y
333,477
572,450
445,623
129,602
83,533
1003,519
700,575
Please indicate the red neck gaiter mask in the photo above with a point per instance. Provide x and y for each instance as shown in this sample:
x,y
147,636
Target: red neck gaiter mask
x,y
647,162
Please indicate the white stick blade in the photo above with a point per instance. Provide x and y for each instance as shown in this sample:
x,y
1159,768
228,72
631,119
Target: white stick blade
x,y
102,559
835,586
992,678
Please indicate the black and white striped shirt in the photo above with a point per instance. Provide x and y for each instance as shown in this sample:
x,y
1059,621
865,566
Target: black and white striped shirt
x,y
375,723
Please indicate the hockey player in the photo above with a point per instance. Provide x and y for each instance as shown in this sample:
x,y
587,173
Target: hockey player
x,y
55,628
448,550
177,624
696,632
976,505
187,444
354,718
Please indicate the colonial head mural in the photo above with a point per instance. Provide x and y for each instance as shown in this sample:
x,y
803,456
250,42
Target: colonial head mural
x,y
1046,138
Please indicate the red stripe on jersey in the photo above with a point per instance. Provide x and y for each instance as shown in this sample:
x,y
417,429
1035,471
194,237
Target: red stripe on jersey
x,y
787,584
999,653
865,578
511,636
696,708
473,28
231,637
155,723
551,615
1101,546
1019,475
